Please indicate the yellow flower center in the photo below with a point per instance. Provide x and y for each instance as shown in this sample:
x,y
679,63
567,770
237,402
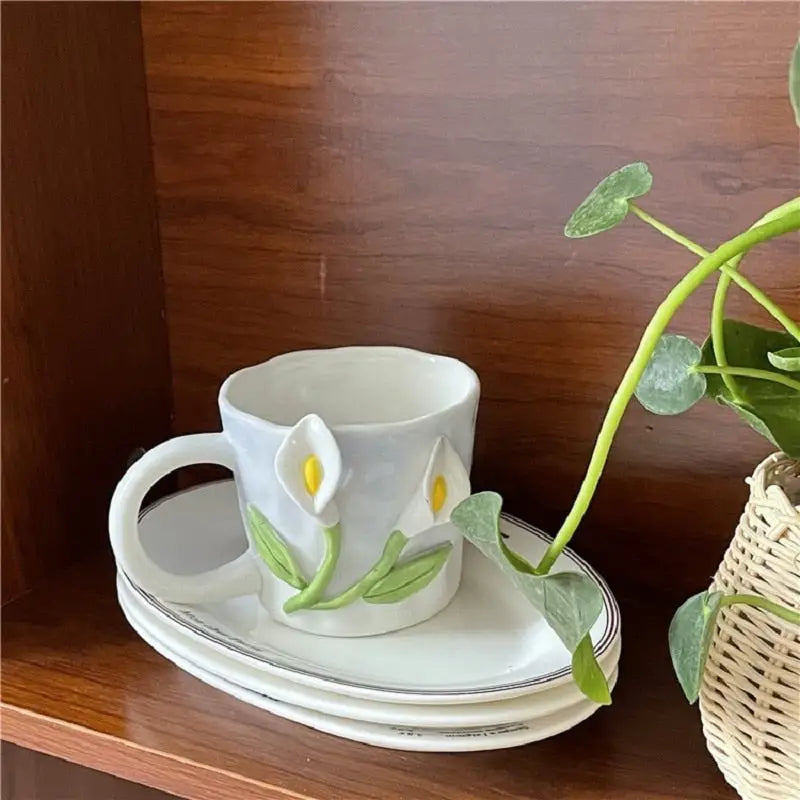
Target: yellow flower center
x,y
312,474
439,493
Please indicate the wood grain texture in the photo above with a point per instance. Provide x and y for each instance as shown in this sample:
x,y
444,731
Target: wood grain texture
x,y
78,684
401,173
28,775
85,362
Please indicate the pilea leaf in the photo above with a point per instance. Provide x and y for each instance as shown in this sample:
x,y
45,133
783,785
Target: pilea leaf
x,y
587,673
690,634
273,549
409,577
786,359
748,346
668,385
794,82
607,204
771,409
777,420
570,602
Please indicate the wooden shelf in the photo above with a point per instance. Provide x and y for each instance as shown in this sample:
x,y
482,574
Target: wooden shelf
x,y
77,683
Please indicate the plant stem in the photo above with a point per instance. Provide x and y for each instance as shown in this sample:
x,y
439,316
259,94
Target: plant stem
x,y
749,372
761,298
717,330
317,585
718,327
633,373
670,233
761,602
729,273
721,294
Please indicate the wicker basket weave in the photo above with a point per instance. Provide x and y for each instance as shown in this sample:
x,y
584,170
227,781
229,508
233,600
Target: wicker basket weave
x,y
750,696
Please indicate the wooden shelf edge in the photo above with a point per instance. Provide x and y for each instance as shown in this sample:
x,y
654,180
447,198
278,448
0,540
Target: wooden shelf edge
x,y
129,760
78,684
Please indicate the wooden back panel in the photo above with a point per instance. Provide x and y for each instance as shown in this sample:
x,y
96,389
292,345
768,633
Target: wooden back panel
x,y
85,363
401,173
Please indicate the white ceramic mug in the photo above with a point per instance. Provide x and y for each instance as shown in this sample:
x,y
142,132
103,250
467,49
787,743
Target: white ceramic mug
x,y
347,464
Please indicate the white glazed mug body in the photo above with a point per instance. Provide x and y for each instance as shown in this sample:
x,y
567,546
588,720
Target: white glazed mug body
x,y
378,417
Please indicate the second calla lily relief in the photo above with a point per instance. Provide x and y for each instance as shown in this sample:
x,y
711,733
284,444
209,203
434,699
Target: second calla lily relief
x,y
308,466
445,484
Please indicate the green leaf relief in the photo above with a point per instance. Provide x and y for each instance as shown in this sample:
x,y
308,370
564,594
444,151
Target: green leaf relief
x,y
690,634
668,385
607,204
794,82
570,602
587,673
273,550
787,359
409,577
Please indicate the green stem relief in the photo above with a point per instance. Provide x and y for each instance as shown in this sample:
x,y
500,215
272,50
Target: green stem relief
x,y
655,328
761,602
749,372
316,587
383,566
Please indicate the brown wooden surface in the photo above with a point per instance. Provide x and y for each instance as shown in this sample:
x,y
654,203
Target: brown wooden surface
x,y
85,363
27,775
400,173
77,683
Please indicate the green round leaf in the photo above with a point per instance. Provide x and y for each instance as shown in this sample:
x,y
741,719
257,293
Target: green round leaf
x,y
749,346
787,359
607,205
570,602
587,673
690,634
668,385
776,419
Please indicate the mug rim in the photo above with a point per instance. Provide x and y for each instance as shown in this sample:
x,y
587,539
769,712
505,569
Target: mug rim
x,y
472,387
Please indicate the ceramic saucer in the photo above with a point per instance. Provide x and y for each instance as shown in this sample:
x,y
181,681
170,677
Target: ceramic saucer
x,y
489,644
146,620
398,736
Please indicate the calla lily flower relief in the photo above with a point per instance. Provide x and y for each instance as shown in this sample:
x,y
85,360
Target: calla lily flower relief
x,y
445,484
308,465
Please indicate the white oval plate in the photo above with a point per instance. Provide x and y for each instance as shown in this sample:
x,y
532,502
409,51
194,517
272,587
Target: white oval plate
x,y
398,736
488,644
146,621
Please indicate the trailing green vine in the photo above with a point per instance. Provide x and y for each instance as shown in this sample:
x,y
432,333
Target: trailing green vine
x,y
753,371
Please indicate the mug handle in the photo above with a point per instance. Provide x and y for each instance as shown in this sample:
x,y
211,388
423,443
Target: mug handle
x,y
238,577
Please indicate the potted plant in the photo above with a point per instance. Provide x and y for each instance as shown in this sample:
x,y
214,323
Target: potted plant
x,y
736,646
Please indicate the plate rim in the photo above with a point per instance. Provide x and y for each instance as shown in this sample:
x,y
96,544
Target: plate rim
x,y
388,736
522,686
141,616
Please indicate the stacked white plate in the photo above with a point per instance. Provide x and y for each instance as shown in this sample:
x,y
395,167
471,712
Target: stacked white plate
x,y
485,673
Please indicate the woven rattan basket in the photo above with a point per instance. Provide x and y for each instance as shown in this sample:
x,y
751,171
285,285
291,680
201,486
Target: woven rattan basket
x,y
750,696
